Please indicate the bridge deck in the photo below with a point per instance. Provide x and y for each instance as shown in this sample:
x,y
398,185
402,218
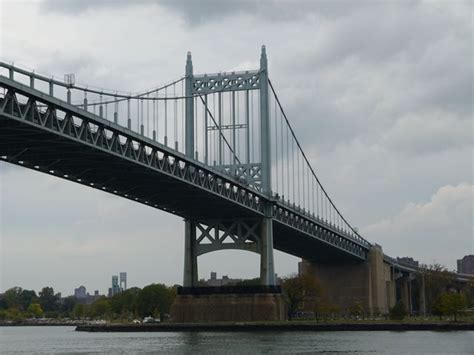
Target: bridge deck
x,y
31,147
159,178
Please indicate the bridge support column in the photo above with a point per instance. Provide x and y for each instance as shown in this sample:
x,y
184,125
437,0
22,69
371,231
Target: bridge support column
x,y
267,270
355,284
405,293
190,277
391,287
422,295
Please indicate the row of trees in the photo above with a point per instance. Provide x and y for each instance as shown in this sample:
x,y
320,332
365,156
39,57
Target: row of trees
x,y
17,303
153,300
441,289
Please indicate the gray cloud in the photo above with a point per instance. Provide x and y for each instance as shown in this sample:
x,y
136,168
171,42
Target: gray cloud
x,y
430,223
204,11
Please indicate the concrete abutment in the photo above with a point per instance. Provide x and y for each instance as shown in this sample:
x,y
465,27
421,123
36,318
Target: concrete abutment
x,y
368,284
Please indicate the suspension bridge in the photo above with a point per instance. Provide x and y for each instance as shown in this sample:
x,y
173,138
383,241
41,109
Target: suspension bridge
x,y
215,149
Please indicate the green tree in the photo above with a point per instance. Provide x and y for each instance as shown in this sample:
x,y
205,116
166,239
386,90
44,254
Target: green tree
x,y
456,303
155,299
79,311
398,312
438,307
100,308
356,309
437,281
48,300
35,310
449,304
123,305
67,306
27,297
12,297
298,290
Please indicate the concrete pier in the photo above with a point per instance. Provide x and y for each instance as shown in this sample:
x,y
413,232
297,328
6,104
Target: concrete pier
x,y
369,283
229,304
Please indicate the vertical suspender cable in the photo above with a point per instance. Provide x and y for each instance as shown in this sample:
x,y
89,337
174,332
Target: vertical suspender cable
x,y
196,125
303,184
155,102
229,147
237,109
247,123
214,151
138,116
175,119
293,170
157,118
220,127
234,145
274,121
287,166
298,175
129,119
206,147
282,160
166,116
142,130
252,123
183,126
148,115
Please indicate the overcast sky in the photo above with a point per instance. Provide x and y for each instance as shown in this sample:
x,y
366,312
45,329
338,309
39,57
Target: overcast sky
x,y
380,94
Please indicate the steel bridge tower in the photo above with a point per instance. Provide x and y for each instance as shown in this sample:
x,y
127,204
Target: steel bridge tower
x,y
246,234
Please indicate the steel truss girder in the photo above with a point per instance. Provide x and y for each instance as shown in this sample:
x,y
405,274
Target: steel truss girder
x,y
212,83
76,125
247,174
215,235
321,230
82,126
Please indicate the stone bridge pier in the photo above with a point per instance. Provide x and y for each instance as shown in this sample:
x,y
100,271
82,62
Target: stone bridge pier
x,y
370,283
373,284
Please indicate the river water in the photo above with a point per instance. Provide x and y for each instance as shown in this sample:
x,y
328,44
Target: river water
x,y
59,340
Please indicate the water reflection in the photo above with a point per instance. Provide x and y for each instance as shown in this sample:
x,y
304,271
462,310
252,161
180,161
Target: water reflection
x,y
55,340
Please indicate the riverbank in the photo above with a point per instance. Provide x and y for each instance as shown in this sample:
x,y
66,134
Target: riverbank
x,y
48,323
275,326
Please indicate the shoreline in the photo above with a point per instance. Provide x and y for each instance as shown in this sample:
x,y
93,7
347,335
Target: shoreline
x,y
286,326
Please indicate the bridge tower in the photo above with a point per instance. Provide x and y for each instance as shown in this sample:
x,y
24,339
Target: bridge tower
x,y
251,234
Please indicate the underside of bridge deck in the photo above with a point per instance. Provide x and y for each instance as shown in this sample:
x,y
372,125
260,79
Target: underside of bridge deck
x,y
37,149
161,178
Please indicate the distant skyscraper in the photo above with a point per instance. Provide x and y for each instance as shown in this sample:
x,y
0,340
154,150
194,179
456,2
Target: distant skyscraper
x,y
123,281
80,292
466,265
118,286
115,289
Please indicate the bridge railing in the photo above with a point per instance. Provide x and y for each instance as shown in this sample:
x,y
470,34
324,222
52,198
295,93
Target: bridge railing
x,y
157,113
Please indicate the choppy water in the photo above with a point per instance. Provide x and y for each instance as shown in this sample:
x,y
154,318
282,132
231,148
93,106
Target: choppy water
x,y
58,340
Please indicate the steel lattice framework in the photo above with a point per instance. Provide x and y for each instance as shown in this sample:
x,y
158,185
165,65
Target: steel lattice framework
x,y
40,132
